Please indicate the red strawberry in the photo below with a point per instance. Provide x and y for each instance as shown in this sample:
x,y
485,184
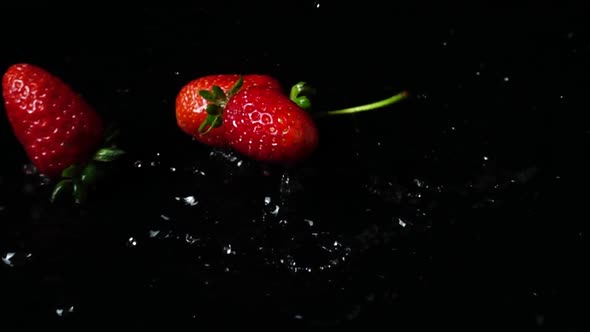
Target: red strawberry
x,y
57,128
191,105
265,125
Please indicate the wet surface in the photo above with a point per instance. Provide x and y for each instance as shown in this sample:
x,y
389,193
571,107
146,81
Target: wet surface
x,y
460,207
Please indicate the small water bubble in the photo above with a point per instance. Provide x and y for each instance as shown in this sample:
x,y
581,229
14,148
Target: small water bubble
x,y
316,4
131,242
477,73
2,208
154,233
164,217
275,210
29,169
266,200
570,35
506,79
485,158
561,97
176,73
228,250
309,222
172,169
62,312
444,43
137,164
401,222
239,164
188,200
122,91
299,317
419,183
190,239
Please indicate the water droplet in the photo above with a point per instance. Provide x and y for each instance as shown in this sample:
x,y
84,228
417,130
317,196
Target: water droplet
x,y
29,169
316,4
401,222
62,312
309,222
154,233
190,239
275,210
137,164
16,258
131,242
570,35
561,97
176,73
228,250
419,183
444,43
298,317
477,73
485,158
188,200
164,217
506,79
173,169
266,200
2,208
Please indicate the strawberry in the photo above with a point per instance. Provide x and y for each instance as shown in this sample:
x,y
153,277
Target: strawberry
x,y
191,105
265,125
57,128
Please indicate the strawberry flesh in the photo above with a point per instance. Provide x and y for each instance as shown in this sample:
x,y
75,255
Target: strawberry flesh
x,y
54,124
264,124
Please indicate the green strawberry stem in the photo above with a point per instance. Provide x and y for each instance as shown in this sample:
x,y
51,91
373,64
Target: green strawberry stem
x,y
368,107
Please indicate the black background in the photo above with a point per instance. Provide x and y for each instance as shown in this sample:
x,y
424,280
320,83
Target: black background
x,y
484,164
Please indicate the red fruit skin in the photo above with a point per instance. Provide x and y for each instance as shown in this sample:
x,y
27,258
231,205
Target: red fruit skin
x,y
191,107
54,124
265,125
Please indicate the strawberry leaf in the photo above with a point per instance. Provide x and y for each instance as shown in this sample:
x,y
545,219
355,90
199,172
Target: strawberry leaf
x,y
79,192
212,121
70,171
303,102
88,176
218,93
108,154
213,109
60,187
208,95
237,86
217,122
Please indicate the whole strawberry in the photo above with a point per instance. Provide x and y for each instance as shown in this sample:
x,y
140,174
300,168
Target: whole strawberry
x,y
213,91
57,128
265,125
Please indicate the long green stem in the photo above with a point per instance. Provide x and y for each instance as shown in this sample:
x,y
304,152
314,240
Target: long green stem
x,y
368,107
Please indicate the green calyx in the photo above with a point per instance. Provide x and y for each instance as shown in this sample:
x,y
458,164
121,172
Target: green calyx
x,y
300,94
216,101
78,179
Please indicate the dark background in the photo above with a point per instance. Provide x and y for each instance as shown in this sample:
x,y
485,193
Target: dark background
x,y
459,207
